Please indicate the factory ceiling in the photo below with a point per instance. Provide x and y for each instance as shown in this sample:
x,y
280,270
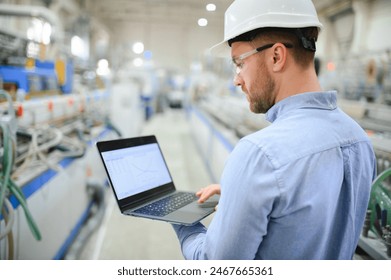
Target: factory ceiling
x,y
125,20
175,11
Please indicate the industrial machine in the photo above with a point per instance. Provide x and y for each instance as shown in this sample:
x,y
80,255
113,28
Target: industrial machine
x,y
376,235
379,209
50,185
48,173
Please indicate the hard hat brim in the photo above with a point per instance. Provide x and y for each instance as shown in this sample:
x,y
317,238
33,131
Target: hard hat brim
x,y
221,50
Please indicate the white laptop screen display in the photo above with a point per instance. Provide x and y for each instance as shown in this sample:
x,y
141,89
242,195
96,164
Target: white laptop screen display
x,y
136,169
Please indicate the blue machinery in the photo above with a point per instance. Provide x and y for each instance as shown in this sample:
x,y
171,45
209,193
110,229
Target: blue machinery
x,y
40,78
50,184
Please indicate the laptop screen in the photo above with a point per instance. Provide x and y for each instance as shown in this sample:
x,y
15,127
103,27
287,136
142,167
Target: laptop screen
x,y
137,169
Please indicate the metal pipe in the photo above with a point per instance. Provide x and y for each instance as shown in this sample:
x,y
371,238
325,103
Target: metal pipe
x,y
33,11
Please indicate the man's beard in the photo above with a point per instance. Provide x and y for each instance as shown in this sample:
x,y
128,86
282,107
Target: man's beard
x,y
262,97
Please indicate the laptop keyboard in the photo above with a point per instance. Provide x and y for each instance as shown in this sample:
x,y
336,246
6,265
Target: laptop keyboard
x,y
167,205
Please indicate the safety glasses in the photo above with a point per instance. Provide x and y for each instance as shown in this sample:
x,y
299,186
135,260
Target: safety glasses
x,y
239,60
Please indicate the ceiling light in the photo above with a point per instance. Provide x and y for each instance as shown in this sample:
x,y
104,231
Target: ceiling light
x,y
202,22
211,7
103,63
138,47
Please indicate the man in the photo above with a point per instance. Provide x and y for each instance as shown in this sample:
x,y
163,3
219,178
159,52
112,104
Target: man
x,y
298,189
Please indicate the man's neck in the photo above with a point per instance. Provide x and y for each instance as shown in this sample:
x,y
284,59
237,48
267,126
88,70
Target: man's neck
x,y
298,82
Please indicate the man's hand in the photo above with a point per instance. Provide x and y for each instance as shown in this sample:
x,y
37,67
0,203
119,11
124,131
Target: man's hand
x,y
205,193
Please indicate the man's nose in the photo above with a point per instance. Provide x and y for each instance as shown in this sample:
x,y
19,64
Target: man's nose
x,y
237,80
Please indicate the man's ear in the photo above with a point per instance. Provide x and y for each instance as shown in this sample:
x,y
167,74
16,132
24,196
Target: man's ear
x,y
279,57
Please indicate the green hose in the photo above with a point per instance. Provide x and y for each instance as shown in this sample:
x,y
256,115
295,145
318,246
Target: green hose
x,y
7,157
15,190
5,181
6,170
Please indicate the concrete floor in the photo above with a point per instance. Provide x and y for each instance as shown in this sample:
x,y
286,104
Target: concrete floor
x,y
123,237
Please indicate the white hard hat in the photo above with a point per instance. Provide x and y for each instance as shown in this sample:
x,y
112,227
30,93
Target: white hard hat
x,y
246,15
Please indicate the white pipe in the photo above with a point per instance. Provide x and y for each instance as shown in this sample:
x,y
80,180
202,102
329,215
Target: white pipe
x,y
34,11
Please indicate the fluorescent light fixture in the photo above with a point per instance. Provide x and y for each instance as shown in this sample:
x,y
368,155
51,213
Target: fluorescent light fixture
x,y
202,22
211,7
103,63
138,48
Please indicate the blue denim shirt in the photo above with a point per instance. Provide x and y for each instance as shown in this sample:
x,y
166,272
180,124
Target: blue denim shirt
x,y
297,189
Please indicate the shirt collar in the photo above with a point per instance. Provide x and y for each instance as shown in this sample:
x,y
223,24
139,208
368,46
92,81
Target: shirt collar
x,y
315,100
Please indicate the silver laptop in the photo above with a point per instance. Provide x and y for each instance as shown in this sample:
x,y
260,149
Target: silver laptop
x,y
142,183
